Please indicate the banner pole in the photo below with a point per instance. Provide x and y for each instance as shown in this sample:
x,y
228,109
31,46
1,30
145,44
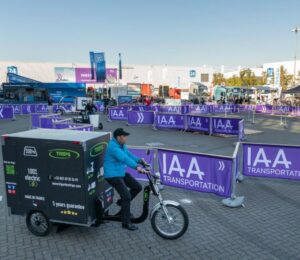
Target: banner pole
x,y
234,201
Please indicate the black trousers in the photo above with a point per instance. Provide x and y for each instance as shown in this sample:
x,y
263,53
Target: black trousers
x,y
121,184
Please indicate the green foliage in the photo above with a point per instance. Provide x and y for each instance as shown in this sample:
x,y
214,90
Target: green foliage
x,y
248,78
218,79
285,78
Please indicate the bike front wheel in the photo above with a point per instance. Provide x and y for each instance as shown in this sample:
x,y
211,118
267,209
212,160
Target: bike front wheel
x,y
170,221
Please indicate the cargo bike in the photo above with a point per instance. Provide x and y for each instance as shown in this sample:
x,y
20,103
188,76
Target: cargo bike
x,y
55,177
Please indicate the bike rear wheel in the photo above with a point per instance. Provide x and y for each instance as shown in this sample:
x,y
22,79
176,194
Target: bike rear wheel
x,y
171,228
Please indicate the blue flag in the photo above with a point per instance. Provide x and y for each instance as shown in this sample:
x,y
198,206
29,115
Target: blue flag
x,y
120,66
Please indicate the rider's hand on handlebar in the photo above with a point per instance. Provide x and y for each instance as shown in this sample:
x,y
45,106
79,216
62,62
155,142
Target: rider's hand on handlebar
x,y
140,169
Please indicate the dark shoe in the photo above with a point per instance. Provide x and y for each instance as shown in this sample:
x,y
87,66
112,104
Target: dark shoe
x,y
119,202
130,226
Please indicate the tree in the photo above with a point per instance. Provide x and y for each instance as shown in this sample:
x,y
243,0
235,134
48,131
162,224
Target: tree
x,y
248,78
218,79
234,81
285,78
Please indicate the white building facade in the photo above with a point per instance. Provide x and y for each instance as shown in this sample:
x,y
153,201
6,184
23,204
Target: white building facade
x,y
173,76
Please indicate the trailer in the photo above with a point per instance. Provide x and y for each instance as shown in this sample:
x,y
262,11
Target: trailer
x,y
55,176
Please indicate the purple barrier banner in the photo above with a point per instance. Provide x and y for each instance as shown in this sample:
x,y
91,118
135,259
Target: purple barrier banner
x,y
198,123
67,107
17,109
197,172
140,118
141,153
116,113
35,120
28,109
49,120
170,109
99,105
228,108
296,111
41,108
141,108
85,128
271,161
228,126
199,109
6,112
246,108
61,124
169,121
264,109
282,110
185,109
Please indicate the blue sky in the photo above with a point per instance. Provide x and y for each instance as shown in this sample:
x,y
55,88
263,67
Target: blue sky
x,y
177,32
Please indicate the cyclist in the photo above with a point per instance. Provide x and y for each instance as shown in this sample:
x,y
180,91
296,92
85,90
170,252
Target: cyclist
x,y
117,157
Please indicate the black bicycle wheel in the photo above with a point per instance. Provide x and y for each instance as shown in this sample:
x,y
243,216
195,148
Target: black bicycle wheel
x,y
38,223
170,229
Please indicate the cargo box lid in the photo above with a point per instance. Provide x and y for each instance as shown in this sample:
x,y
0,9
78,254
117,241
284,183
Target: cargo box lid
x,y
59,135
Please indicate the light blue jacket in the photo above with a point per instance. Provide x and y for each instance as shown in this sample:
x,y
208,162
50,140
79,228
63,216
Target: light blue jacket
x,y
116,158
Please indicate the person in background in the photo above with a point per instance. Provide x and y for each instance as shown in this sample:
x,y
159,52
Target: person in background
x,y
148,101
90,107
116,158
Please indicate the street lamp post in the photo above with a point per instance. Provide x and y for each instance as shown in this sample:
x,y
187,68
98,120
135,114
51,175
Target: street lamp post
x,y
295,30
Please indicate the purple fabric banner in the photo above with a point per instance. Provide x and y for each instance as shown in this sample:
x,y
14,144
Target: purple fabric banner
x,y
271,161
296,111
199,109
264,109
282,110
198,123
169,121
246,108
28,109
228,108
170,109
118,113
41,108
17,109
141,153
49,120
61,124
35,120
196,172
6,112
228,126
141,108
140,118
185,109
99,105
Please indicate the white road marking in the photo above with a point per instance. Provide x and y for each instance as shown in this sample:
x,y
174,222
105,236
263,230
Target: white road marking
x,y
0,198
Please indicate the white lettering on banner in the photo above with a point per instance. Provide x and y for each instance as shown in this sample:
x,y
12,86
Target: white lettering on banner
x,y
261,157
176,167
28,109
195,184
173,109
162,120
225,126
271,171
1,111
196,123
140,117
120,114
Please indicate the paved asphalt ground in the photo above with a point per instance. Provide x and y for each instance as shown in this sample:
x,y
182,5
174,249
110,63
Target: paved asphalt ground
x,y
267,228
